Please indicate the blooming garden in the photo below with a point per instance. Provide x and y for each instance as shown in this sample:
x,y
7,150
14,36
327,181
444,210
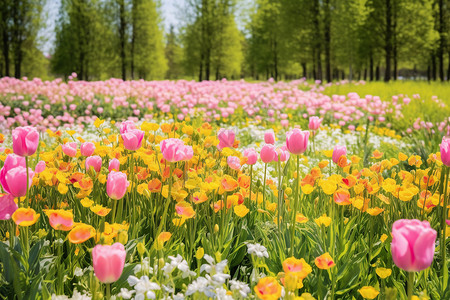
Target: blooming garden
x,y
221,190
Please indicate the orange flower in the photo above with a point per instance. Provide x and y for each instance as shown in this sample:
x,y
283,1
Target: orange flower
x,y
297,266
342,197
300,218
164,236
229,184
25,216
154,185
185,209
377,154
81,233
60,219
100,210
244,181
199,197
268,288
342,162
218,205
324,261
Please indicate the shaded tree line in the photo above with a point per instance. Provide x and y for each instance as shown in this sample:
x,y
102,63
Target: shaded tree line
x,y
284,39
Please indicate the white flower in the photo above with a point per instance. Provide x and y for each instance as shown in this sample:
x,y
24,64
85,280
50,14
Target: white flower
x,y
201,285
78,272
221,294
125,294
241,287
215,270
178,296
258,250
143,267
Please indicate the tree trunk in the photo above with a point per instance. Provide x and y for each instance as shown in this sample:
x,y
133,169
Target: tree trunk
x,y
275,59
304,70
122,28
327,22
316,15
433,67
388,40
429,73
394,40
377,73
442,34
5,50
365,74
134,10
371,67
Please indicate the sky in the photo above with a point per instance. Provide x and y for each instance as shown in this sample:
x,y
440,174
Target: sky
x,y
170,10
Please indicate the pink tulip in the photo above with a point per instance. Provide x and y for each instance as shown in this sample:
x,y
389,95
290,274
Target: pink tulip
x,y
114,164
297,141
132,139
252,156
174,150
116,185
25,140
338,151
413,244
283,153
70,149
226,138
268,153
40,167
127,126
445,151
7,206
87,149
314,123
14,181
108,262
95,162
269,137
234,162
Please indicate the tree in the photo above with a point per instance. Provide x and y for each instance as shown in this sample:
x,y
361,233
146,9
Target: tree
x,y
174,56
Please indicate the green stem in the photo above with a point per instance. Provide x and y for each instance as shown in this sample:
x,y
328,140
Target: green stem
x,y
250,188
444,226
114,211
108,291
264,187
28,182
294,206
410,285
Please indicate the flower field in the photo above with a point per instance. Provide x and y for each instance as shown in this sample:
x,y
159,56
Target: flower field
x,y
222,190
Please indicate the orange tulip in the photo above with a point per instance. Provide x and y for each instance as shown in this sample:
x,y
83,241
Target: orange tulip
x,y
81,233
25,216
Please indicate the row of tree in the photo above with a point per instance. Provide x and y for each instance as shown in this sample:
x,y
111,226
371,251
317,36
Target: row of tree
x,y
283,39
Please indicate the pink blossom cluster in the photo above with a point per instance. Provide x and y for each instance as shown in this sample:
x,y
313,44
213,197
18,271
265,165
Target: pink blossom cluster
x,y
51,104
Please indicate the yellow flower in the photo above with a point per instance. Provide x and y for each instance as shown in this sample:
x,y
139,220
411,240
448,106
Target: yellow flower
x,y
199,253
98,122
383,273
300,218
383,237
86,202
100,210
402,156
241,210
374,211
323,220
368,292
307,189
62,188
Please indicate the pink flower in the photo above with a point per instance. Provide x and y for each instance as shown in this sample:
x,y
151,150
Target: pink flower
x,y
70,149
269,137
314,123
14,181
108,262
95,162
174,150
413,244
234,162
132,139
226,138
445,151
283,153
268,153
7,206
338,151
40,167
25,140
116,185
252,156
87,149
114,164
127,126
297,141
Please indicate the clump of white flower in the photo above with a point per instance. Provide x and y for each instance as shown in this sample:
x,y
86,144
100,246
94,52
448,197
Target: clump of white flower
x,y
177,263
239,287
76,296
258,250
144,267
215,270
143,287
201,285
